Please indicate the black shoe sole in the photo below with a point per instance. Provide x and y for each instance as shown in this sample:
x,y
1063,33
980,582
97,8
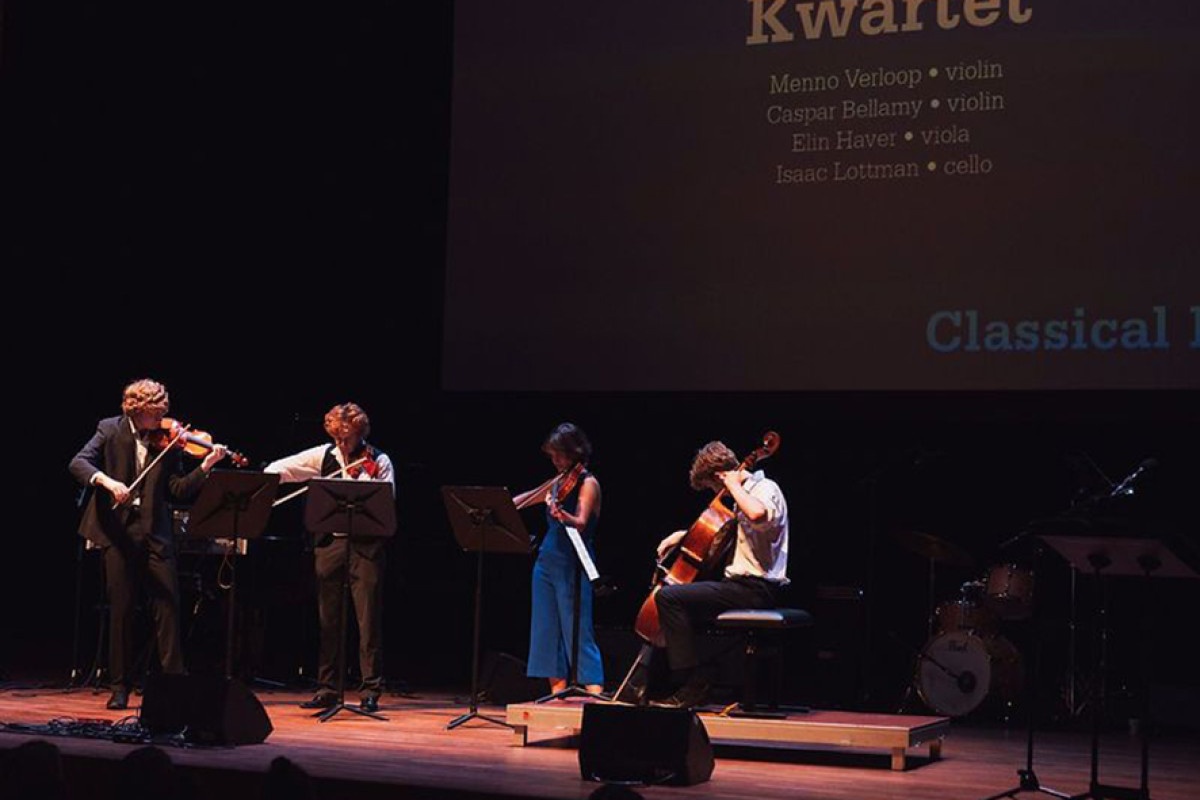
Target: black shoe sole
x,y
313,705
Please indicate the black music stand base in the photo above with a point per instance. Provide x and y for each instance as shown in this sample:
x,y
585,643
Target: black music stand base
x,y
470,715
1029,783
572,690
330,713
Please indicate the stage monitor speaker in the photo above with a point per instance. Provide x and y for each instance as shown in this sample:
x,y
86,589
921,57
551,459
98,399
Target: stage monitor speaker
x,y
642,744
206,709
505,682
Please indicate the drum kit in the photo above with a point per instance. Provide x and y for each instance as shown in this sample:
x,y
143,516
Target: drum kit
x,y
966,660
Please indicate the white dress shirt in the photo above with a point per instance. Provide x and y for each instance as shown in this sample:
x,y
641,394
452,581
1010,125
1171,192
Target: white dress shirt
x,y
762,546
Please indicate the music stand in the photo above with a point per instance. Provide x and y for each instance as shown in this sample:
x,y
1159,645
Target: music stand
x,y
357,510
483,520
1106,556
232,505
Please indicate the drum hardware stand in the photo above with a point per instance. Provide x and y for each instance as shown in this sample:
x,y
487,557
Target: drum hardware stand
x,y
933,550
905,699
94,676
931,605
1075,706
931,610
1028,779
77,680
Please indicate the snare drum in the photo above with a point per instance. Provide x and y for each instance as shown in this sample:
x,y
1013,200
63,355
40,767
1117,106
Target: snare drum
x,y
1010,591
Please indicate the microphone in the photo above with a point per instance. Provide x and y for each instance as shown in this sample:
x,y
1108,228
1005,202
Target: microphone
x,y
1126,487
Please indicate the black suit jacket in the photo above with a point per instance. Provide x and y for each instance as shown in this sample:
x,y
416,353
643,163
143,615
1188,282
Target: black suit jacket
x,y
113,450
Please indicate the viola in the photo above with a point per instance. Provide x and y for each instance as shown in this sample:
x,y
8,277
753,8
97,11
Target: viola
x,y
565,484
560,485
172,433
703,549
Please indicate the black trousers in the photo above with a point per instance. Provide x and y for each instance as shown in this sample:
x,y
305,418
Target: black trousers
x,y
367,562
684,608
128,568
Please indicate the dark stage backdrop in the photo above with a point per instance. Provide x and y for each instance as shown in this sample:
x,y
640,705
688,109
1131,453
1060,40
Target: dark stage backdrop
x,y
730,195
250,207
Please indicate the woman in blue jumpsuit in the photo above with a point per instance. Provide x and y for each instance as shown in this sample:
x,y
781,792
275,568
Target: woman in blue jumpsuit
x,y
554,573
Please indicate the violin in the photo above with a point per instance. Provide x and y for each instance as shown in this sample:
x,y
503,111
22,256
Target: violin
x,y
198,444
172,434
366,464
703,548
353,469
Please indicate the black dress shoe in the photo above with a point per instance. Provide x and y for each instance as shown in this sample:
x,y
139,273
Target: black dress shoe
x,y
119,700
369,702
692,694
634,695
321,700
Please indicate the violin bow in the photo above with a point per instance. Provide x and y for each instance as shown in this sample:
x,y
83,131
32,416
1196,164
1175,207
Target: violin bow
x,y
536,494
304,488
182,430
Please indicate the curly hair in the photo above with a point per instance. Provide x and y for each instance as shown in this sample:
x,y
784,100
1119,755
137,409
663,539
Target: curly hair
x,y
145,395
714,457
570,440
347,418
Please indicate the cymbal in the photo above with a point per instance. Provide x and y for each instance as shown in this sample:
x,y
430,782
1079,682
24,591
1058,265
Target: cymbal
x,y
934,548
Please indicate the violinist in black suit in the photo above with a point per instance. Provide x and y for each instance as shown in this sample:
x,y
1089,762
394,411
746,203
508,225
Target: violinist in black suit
x,y
131,522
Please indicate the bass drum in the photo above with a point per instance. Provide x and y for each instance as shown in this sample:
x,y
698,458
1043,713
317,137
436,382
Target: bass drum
x,y
957,671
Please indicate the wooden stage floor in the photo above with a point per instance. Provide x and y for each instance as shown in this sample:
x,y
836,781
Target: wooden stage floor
x,y
413,755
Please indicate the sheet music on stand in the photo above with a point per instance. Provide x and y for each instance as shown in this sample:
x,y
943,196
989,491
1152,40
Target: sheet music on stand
x,y
585,558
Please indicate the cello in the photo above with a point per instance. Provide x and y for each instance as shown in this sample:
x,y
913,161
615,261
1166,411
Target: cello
x,y
703,550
